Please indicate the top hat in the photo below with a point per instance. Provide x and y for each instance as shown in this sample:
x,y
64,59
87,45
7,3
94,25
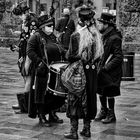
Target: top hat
x,y
107,18
17,10
44,20
86,13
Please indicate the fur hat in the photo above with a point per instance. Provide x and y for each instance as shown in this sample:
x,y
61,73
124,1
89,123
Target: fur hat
x,y
86,13
44,20
107,18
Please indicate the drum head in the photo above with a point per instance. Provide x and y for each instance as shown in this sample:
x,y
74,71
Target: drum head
x,y
56,66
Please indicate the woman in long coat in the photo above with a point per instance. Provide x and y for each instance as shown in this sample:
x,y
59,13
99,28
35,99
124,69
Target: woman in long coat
x,y
85,45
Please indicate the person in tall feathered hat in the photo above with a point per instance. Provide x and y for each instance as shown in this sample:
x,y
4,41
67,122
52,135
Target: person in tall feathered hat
x,y
85,45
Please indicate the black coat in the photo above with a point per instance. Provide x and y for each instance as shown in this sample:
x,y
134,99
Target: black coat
x,y
110,70
66,25
39,74
88,103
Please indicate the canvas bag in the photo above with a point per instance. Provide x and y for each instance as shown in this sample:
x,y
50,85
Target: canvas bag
x,y
74,79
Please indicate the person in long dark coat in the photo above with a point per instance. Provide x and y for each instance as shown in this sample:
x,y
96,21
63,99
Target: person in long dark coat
x,y
110,68
28,27
86,45
41,52
65,26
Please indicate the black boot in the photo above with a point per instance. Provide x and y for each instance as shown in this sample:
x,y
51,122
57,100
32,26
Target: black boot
x,y
43,121
73,132
22,103
86,129
102,114
53,118
16,106
26,95
110,118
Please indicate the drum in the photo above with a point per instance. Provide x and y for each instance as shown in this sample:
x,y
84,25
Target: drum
x,y
54,83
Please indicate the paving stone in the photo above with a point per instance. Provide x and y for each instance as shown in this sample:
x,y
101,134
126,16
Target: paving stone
x,y
21,127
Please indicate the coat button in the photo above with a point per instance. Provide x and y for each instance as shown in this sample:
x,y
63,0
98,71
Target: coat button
x,y
93,67
87,66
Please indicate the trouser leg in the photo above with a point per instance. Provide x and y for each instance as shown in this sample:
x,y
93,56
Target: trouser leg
x,y
86,128
73,131
103,111
111,113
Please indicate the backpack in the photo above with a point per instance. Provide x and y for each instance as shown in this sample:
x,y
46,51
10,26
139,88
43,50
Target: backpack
x,y
74,79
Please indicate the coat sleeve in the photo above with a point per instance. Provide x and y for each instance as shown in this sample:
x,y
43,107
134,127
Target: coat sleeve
x,y
32,49
58,25
117,57
72,53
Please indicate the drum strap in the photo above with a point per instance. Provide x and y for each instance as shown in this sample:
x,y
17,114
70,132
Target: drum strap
x,y
45,51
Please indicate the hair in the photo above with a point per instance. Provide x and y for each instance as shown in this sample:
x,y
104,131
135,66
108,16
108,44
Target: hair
x,y
90,39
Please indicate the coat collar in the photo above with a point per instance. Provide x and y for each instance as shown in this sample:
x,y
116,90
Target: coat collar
x,y
107,32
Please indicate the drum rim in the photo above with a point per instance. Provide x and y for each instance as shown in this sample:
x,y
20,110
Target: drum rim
x,y
56,62
57,92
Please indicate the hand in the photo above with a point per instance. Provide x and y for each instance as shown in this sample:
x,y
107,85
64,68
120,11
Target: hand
x,y
20,60
16,48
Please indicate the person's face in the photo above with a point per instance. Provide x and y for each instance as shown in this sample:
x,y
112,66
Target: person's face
x,y
48,29
102,26
22,17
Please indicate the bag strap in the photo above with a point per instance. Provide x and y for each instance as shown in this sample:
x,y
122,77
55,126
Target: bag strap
x,y
66,24
45,51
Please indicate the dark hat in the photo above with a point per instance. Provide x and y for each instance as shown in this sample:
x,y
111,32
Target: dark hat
x,y
86,13
17,10
107,18
25,8
45,21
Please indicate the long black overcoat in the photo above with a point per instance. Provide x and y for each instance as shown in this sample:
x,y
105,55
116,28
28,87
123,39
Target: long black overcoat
x,y
110,66
35,51
86,106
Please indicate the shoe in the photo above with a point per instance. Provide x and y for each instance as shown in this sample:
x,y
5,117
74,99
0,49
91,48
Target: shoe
x,y
15,106
71,135
101,115
110,118
53,118
20,112
85,133
43,121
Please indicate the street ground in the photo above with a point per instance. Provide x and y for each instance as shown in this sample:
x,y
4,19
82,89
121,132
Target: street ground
x,y
20,127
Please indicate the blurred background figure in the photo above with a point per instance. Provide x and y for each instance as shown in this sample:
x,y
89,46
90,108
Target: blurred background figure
x,y
65,26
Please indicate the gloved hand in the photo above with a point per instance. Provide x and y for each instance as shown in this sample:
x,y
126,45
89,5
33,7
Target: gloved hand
x,y
42,69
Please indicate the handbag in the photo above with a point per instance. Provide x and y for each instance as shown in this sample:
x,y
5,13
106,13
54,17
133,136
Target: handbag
x,y
73,78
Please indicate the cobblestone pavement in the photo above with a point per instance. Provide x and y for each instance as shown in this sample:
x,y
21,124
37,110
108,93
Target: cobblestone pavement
x,y
20,127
